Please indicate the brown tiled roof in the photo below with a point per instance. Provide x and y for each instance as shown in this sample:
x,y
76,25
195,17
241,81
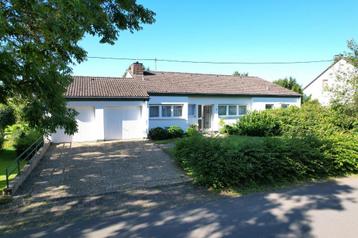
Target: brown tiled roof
x,y
105,87
156,83
212,84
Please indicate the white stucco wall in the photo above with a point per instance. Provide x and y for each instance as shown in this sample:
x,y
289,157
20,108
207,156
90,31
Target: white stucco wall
x,y
252,103
317,90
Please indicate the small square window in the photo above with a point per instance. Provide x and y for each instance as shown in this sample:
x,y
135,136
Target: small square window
x,y
192,110
232,110
222,110
284,105
242,110
177,111
268,106
166,111
153,111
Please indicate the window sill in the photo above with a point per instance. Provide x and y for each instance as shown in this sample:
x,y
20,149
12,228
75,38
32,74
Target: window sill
x,y
167,118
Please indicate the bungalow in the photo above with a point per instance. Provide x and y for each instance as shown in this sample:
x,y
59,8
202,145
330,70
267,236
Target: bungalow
x,y
113,108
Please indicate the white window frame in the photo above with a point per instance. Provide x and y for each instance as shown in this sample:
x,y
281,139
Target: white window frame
x,y
285,104
171,111
227,115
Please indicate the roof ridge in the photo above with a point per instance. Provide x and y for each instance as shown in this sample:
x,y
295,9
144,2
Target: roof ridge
x,y
92,76
226,75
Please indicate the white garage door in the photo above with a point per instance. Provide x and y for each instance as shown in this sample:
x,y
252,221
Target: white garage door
x,y
85,124
122,123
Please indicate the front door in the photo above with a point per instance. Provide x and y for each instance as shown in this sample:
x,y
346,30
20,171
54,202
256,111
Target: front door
x,y
204,116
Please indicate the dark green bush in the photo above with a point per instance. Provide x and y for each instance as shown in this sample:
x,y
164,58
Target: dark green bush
x,y
223,163
230,129
158,133
175,132
2,139
7,116
26,139
259,124
192,130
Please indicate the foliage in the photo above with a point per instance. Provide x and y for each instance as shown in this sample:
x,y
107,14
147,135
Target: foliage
x,y
7,116
230,129
158,133
21,136
39,43
344,92
237,73
2,139
289,83
258,124
192,130
175,132
225,163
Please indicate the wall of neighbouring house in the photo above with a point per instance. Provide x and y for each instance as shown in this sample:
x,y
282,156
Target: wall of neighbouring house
x,y
319,88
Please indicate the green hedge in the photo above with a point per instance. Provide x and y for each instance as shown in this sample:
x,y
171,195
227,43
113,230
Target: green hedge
x,y
159,133
225,163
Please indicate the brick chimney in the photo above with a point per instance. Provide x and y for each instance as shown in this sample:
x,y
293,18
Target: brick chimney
x,y
136,69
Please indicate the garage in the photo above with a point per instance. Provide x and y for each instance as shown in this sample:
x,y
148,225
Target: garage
x,y
122,123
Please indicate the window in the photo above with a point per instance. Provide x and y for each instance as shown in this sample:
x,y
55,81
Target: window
x,y
284,105
222,110
242,110
163,111
268,106
177,110
166,111
192,110
232,110
153,111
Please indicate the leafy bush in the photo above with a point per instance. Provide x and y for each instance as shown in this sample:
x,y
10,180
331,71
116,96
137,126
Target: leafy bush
x,y
175,132
258,124
7,116
25,140
192,130
224,163
21,136
230,129
158,133
2,139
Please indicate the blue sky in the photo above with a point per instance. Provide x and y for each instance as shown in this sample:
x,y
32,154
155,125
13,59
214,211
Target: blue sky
x,y
250,30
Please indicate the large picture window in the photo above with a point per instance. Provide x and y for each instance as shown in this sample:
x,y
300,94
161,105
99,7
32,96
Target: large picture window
x,y
165,111
192,110
232,110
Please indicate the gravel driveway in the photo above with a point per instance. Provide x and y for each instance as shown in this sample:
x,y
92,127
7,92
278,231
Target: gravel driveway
x,y
80,169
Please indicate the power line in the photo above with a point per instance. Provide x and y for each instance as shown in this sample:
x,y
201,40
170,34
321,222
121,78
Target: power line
x,y
209,62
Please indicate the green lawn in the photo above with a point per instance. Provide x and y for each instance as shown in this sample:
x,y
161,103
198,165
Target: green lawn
x,y
7,158
166,141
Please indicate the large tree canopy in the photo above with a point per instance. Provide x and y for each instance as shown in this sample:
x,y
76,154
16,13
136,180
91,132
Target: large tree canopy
x,y
39,41
289,83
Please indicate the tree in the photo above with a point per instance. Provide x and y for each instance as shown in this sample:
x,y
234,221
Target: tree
x,y
237,73
39,43
289,83
344,92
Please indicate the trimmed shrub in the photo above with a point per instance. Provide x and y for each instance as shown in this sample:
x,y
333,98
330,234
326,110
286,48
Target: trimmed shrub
x,y
230,129
175,132
224,163
158,133
259,124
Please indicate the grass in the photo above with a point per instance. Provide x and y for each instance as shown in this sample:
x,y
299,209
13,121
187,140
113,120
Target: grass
x,y
166,141
7,159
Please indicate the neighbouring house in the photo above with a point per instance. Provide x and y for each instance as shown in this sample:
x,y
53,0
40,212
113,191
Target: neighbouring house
x,y
126,108
319,88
